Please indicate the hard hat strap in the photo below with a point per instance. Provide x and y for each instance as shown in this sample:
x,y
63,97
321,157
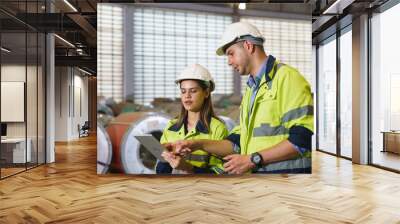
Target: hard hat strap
x,y
254,40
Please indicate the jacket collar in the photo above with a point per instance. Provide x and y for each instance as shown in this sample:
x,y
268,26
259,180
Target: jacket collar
x,y
200,126
264,71
270,65
255,82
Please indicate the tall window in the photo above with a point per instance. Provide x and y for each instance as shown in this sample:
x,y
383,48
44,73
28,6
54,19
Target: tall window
x,y
166,41
287,40
327,96
385,84
346,94
110,51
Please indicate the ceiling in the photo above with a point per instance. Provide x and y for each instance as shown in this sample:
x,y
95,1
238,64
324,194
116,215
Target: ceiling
x,y
330,16
76,22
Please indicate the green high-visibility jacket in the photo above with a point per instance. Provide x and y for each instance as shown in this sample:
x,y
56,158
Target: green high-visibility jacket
x,y
282,109
198,158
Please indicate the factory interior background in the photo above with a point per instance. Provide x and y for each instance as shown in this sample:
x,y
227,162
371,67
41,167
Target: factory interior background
x,y
148,48
77,77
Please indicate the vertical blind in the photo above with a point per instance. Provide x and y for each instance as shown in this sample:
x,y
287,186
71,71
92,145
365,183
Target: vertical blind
x,y
110,51
287,40
166,41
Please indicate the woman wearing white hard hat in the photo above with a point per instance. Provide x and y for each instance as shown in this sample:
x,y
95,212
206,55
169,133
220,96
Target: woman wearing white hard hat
x,y
276,114
195,121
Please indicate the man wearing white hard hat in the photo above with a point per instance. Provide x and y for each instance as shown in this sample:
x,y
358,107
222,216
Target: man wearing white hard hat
x,y
276,113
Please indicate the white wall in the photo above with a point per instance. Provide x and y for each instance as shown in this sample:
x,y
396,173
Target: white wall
x,y
80,109
61,103
71,94
33,127
12,73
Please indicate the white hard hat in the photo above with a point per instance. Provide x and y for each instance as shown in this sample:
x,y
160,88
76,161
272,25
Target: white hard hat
x,y
237,32
196,72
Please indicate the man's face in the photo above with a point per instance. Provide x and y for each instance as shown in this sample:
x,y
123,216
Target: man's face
x,y
238,58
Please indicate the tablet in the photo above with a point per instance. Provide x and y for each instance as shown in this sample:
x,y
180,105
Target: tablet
x,y
152,145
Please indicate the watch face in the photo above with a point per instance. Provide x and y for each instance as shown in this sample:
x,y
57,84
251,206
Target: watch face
x,y
256,159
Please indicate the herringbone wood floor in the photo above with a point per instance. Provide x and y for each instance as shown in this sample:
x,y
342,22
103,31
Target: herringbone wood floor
x,y
69,191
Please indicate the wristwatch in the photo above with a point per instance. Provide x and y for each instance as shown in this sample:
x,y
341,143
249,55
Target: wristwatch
x,y
257,159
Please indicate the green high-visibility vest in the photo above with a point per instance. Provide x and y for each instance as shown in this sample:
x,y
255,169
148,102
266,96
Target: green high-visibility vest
x,y
198,158
284,101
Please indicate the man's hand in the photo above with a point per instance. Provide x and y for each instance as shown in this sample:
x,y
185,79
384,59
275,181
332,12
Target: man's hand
x,y
168,146
176,162
238,164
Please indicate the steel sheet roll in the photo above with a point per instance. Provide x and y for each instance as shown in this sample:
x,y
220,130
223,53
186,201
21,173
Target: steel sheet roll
x,y
104,150
128,155
134,157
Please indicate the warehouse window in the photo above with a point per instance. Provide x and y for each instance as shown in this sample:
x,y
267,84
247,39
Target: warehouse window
x,y
327,93
346,93
385,89
287,40
110,51
166,41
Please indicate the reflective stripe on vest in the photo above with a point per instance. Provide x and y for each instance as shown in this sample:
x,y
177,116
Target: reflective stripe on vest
x,y
297,113
267,130
198,158
302,162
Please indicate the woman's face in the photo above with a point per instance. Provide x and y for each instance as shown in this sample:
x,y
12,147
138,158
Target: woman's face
x,y
192,95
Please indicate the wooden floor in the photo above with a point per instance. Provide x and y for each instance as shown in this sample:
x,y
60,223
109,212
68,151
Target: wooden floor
x,y
387,159
69,191
10,171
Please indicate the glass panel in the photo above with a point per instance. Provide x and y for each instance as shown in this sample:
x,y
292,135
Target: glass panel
x,y
22,79
327,97
13,85
346,94
385,85
313,86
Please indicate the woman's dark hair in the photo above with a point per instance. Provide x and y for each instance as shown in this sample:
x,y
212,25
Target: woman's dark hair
x,y
206,110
